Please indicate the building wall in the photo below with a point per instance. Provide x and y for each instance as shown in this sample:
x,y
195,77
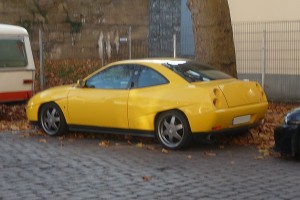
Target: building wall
x,y
264,10
72,28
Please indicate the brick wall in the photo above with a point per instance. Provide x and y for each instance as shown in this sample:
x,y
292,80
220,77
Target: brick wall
x,y
71,28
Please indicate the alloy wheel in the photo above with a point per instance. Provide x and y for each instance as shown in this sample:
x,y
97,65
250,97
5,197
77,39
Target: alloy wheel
x,y
172,130
52,120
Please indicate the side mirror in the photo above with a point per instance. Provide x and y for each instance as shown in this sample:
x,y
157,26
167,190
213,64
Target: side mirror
x,y
80,83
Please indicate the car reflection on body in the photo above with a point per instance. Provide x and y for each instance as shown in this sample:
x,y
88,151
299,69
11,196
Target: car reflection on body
x,y
171,99
287,136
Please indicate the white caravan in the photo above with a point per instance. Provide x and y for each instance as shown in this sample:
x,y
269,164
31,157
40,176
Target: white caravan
x,y
17,69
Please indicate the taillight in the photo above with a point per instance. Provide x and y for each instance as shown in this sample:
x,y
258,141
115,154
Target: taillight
x,y
262,93
27,81
218,99
217,92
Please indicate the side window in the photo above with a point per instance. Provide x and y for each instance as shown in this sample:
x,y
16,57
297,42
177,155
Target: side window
x,y
115,77
12,53
149,77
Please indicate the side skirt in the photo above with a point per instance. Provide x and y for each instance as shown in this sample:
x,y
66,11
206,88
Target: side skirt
x,y
92,129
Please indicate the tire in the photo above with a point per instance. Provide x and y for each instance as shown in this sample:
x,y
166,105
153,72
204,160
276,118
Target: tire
x,y
298,145
52,120
173,130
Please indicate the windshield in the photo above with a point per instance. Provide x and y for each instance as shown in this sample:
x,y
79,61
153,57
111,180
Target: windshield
x,y
12,53
193,71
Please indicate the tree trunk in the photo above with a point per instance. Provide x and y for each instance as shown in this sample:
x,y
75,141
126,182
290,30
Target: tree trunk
x,y
213,34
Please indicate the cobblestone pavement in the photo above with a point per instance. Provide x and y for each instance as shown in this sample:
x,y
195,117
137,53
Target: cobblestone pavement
x,y
41,167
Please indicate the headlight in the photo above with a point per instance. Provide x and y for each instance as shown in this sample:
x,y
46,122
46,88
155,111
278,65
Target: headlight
x,y
285,120
293,117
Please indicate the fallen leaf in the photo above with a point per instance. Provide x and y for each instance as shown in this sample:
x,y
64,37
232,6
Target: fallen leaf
x,y
151,148
42,140
275,154
258,157
146,178
266,153
61,138
104,143
14,127
140,145
164,151
209,153
261,151
25,135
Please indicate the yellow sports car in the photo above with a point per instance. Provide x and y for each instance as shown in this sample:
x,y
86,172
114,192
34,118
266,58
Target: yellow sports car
x,y
172,99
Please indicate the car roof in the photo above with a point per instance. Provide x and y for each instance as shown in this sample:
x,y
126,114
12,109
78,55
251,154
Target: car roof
x,y
152,61
6,29
155,63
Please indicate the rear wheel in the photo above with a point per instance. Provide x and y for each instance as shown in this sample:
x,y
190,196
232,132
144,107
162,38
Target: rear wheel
x,y
52,120
173,130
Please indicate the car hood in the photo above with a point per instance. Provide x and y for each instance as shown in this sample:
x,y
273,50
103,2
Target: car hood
x,y
236,92
51,94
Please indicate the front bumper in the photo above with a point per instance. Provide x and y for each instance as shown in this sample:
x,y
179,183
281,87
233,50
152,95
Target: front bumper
x,y
286,139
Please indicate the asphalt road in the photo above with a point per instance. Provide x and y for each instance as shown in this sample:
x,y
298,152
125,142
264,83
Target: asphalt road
x,y
41,167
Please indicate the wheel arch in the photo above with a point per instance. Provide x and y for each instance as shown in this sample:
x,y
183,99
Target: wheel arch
x,y
60,105
55,124
176,132
43,104
176,110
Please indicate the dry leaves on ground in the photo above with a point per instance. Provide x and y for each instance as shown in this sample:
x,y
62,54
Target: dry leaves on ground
x,y
263,135
13,118
18,125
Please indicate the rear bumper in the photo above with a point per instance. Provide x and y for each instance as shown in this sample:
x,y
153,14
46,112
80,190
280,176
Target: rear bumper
x,y
221,120
286,139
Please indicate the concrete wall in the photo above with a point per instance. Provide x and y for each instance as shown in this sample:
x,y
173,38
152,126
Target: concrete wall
x,y
72,28
264,10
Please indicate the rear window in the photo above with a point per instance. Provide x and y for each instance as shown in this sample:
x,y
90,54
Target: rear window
x,y
12,53
193,71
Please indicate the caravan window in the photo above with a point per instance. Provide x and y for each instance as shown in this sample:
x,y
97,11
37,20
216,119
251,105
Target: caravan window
x,y
12,53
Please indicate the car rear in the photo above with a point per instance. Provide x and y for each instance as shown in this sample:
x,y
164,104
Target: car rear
x,y
227,104
220,101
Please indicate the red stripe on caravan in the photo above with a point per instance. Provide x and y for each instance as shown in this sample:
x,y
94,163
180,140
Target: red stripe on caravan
x,y
15,96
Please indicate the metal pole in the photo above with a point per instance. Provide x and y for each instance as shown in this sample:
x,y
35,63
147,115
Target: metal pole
x,y
42,81
129,42
102,52
174,45
263,60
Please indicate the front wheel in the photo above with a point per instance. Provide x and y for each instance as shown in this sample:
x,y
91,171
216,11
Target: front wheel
x,y
173,130
52,119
